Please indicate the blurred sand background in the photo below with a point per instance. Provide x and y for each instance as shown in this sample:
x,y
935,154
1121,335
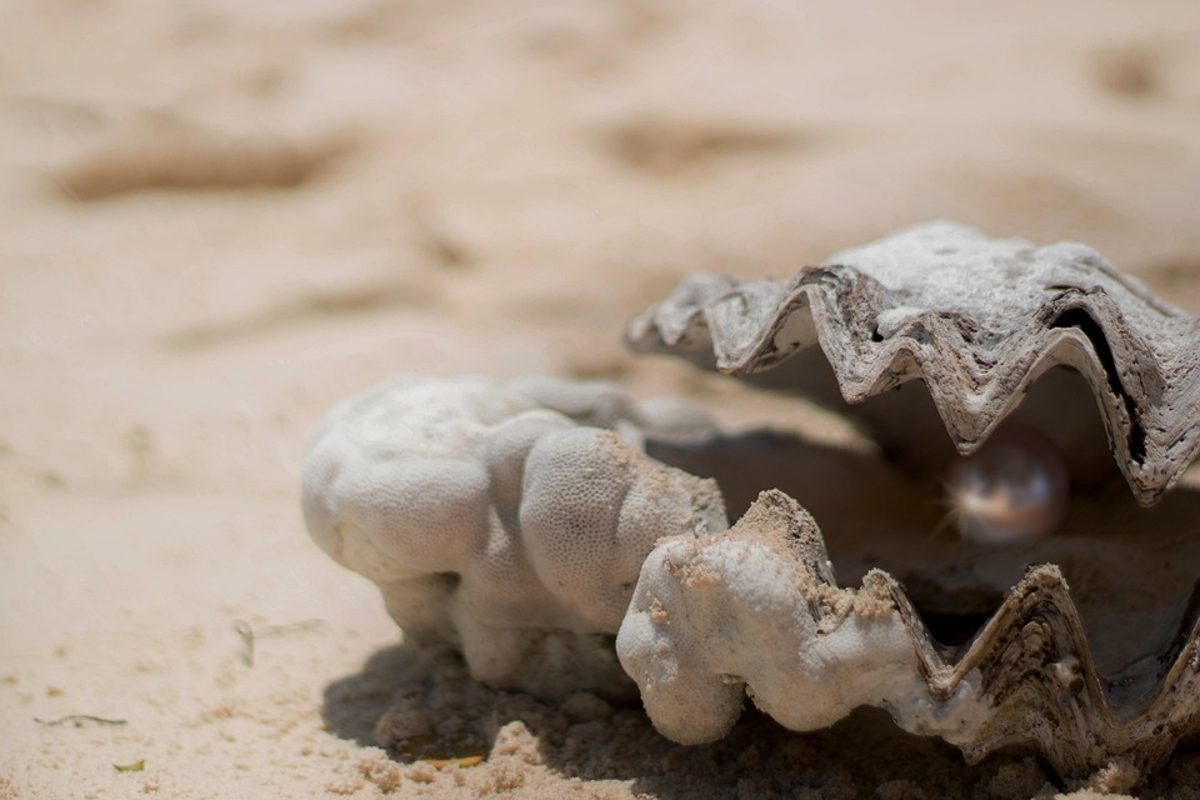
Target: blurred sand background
x,y
221,217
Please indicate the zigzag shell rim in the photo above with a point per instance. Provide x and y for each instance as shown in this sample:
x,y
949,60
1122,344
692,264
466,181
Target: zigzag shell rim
x,y
1139,355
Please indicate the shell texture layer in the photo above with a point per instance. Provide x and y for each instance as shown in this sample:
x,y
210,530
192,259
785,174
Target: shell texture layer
x,y
755,611
504,520
978,320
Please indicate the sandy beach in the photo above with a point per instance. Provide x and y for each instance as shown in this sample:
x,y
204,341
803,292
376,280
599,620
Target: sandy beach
x,y
221,218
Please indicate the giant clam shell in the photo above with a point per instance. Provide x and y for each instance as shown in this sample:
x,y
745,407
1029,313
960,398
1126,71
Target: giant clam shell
x,y
982,323
525,523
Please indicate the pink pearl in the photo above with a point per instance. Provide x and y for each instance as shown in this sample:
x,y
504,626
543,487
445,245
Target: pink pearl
x,y
1013,489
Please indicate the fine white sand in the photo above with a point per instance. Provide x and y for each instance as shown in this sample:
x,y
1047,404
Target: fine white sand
x,y
221,217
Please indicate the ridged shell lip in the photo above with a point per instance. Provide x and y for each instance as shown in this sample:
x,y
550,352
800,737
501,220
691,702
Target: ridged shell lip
x,y
977,321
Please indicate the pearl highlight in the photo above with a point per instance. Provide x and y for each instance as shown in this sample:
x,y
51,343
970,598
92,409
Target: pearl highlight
x,y
1013,489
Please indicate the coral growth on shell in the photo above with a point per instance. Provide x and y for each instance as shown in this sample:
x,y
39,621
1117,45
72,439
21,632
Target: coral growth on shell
x,y
506,520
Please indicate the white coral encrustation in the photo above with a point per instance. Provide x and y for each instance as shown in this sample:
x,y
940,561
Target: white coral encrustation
x,y
507,520
754,611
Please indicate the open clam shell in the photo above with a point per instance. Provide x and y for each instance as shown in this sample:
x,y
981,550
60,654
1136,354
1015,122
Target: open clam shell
x,y
527,523
984,646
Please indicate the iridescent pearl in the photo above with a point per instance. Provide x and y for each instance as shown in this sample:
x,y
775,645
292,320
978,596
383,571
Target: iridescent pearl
x,y
1013,489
